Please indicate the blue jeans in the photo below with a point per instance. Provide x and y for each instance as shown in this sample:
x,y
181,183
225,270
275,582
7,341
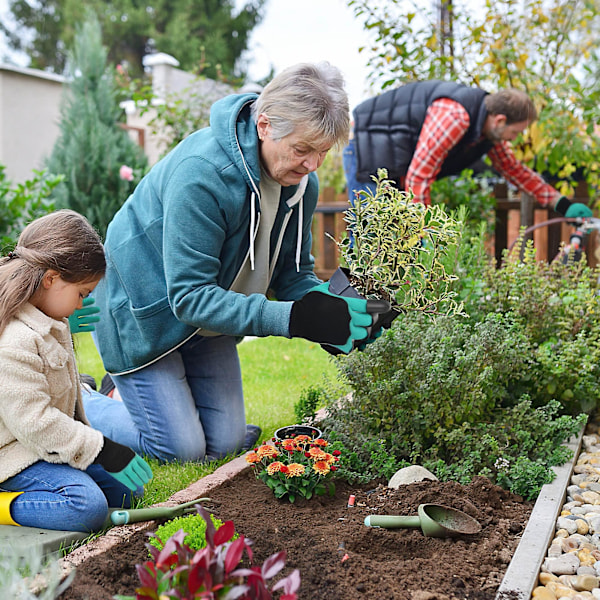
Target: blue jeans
x,y
57,496
189,405
352,185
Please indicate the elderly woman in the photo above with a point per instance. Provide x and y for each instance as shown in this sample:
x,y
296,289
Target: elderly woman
x,y
222,219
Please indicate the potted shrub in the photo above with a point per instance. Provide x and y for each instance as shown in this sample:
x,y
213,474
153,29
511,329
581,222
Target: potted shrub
x,y
398,251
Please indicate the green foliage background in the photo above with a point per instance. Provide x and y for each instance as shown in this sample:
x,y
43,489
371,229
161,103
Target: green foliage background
x,y
208,35
92,146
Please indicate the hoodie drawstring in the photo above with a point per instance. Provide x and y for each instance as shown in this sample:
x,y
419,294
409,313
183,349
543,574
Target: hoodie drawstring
x,y
299,238
252,225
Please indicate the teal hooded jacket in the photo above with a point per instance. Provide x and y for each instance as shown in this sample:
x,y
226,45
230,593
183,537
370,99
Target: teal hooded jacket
x,y
175,246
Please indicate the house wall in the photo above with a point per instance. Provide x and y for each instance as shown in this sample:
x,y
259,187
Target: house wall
x,y
30,112
29,116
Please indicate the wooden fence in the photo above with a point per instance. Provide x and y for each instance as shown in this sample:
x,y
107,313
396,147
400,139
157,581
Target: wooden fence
x,y
511,215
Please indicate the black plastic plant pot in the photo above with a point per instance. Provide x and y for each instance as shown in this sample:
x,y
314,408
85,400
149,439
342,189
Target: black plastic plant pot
x,y
291,431
339,284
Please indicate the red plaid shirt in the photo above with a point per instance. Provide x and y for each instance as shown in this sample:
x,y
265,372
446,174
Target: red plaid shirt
x,y
445,124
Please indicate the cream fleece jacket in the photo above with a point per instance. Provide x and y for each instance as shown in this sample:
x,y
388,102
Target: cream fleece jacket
x,y
41,413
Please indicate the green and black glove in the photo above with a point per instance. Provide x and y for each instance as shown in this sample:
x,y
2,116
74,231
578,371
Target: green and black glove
x,y
334,320
124,464
572,210
83,319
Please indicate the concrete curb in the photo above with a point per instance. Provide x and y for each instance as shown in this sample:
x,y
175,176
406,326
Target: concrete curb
x,y
522,574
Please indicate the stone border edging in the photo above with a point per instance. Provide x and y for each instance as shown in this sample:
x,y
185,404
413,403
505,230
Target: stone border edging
x,y
523,570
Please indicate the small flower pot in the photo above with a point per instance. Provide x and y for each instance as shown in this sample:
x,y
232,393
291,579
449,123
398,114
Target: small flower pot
x,y
291,431
339,284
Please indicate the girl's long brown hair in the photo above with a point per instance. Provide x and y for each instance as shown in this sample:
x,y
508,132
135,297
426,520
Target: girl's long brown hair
x,y
63,241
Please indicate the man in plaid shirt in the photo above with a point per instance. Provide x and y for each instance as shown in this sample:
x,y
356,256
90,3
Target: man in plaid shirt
x,y
426,130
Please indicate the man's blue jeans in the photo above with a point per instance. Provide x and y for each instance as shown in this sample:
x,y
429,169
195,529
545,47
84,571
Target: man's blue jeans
x,y
189,405
57,496
350,166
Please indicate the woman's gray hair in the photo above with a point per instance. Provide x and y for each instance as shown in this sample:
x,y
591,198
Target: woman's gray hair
x,y
310,97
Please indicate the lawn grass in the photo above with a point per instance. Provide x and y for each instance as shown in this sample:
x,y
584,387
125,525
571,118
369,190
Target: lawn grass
x,y
275,371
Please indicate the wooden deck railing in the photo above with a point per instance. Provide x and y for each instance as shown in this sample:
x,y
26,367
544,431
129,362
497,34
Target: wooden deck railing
x,y
511,215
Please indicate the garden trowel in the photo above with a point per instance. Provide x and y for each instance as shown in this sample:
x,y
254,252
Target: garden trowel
x,y
119,516
434,520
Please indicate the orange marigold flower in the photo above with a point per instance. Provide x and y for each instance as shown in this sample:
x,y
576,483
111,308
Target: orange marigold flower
x,y
328,458
302,438
267,451
316,452
274,467
252,458
295,470
322,467
320,442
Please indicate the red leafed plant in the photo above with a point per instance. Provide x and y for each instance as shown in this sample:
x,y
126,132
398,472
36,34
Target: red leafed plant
x,y
177,572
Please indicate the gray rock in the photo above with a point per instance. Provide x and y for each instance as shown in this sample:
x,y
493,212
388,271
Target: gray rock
x,y
567,564
410,474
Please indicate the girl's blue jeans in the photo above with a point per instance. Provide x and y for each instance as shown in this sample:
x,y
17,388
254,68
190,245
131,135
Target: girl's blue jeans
x,y
187,406
57,496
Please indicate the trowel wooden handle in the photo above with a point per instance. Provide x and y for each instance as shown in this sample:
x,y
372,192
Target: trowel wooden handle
x,y
392,521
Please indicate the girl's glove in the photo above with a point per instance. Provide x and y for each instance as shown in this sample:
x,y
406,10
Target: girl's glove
x,y
82,319
124,464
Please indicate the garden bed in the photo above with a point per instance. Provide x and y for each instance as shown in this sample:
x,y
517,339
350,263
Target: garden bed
x,y
336,554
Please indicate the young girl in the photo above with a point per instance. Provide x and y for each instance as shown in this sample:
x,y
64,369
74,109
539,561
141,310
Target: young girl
x,y
56,472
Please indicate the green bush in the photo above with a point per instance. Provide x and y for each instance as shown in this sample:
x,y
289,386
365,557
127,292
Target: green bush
x,y
492,390
23,202
551,300
473,193
194,527
308,403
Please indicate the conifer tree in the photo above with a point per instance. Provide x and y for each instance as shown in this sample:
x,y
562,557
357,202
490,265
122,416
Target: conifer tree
x,y
93,151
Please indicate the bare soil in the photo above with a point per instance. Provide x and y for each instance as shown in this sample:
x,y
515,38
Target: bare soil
x,y
338,557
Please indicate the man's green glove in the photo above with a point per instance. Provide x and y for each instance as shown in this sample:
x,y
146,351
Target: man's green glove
x,y
82,319
122,463
572,210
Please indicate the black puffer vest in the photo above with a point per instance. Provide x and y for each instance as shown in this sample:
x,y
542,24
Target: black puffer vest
x,y
387,127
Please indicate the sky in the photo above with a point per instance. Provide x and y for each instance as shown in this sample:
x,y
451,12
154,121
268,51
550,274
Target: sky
x,y
295,31
310,31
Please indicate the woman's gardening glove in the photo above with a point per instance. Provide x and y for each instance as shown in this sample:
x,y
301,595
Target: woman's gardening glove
x,y
572,210
323,317
124,464
83,319
375,308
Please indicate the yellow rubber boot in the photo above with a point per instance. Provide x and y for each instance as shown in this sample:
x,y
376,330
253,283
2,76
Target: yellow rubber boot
x,y
6,499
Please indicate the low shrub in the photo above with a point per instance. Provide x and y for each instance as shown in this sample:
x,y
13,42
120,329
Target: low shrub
x,y
193,525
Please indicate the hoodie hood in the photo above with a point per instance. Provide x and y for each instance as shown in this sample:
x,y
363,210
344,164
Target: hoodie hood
x,y
234,129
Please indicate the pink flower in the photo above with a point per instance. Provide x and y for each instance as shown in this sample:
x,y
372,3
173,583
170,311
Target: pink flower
x,y
126,173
